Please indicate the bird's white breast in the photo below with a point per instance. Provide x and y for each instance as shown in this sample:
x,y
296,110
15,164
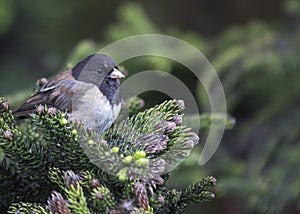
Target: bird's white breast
x,y
94,110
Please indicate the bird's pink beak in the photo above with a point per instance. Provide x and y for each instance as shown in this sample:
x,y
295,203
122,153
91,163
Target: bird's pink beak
x,y
116,74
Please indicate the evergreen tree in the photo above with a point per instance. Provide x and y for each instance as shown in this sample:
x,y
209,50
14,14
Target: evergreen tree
x,y
50,165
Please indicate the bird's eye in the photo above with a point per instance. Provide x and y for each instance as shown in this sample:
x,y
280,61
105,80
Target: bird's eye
x,y
100,71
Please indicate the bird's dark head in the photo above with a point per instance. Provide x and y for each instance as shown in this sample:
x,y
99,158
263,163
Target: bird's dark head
x,y
95,68
102,71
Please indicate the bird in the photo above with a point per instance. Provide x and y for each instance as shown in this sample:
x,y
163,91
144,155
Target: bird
x,y
89,92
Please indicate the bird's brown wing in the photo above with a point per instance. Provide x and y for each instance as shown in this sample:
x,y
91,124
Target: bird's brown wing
x,y
58,92
66,75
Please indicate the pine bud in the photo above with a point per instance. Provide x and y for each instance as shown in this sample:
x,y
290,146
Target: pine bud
x,y
57,204
177,119
153,182
74,132
161,199
173,192
99,195
95,183
63,121
71,179
194,138
77,124
8,135
43,81
212,195
157,166
128,159
103,143
165,127
180,105
142,161
122,174
139,154
115,149
125,207
169,127
155,142
52,111
213,180
141,195
89,131
4,106
91,142
131,173
159,180
40,109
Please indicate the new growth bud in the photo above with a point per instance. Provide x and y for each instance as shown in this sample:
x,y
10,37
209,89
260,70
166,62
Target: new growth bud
x,y
94,183
180,105
155,142
177,119
8,135
57,204
52,111
165,127
71,179
43,81
40,109
4,106
141,195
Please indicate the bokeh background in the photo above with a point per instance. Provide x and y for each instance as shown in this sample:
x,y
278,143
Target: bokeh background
x,y
254,46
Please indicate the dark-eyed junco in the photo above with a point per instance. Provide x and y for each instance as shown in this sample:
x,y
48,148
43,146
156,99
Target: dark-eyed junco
x,y
89,92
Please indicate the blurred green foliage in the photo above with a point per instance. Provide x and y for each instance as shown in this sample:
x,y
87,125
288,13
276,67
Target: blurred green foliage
x,y
6,15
